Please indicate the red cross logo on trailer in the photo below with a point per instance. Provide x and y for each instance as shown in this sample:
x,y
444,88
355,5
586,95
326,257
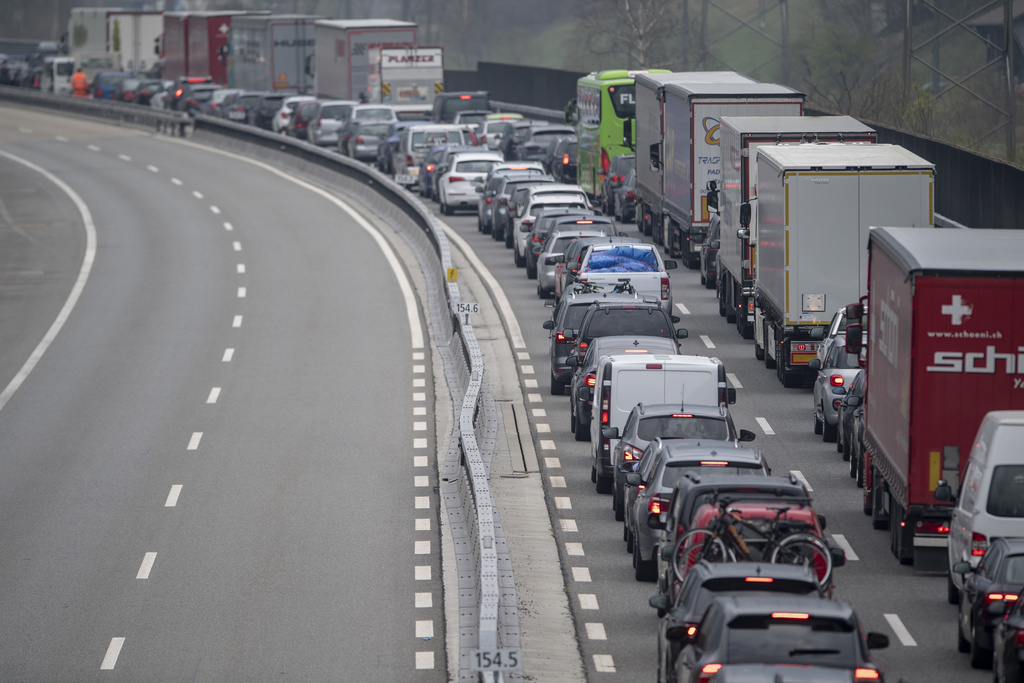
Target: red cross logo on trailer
x,y
957,310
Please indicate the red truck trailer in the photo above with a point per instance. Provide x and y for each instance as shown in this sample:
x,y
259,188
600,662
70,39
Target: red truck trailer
x,y
945,345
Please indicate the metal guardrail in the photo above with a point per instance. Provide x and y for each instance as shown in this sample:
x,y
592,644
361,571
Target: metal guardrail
x,y
553,115
490,588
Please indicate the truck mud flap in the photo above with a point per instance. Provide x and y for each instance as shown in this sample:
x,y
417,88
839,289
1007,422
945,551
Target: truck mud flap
x,y
930,558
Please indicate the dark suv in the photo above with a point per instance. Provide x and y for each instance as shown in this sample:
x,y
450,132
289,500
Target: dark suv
x,y
536,142
263,116
607,318
448,104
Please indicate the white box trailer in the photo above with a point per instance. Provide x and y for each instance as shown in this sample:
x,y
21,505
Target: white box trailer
x,y
411,75
343,60
692,153
134,35
650,132
272,52
741,137
817,203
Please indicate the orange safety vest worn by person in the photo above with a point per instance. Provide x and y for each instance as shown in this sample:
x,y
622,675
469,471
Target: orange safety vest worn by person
x,y
80,84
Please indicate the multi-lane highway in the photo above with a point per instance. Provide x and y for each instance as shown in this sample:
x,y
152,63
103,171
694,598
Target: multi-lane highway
x,y
215,470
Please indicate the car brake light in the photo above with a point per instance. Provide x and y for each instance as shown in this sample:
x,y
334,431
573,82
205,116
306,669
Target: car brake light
x,y
559,337
979,543
655,366
631,453
591,380
866,675
430,168
583,346
456,179
713,463
656,504
1005,597
408,160
1020,639
801,347
759,579
790,615
565,160
691,630
836,380
707,672
604,417
584,222
664,289
630,194
178,92
487,200
682,415
465,97
359,140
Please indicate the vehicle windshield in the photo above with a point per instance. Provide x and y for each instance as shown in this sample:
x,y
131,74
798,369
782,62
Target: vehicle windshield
x,y
549,135
681,427
422,140
635,321
65,68
623,99
338,112
1006,495
378,114
762,639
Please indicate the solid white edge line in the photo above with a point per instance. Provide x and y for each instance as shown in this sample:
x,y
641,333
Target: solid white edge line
x,y
411,308
847,548
76,291
113,651
900,630
514,331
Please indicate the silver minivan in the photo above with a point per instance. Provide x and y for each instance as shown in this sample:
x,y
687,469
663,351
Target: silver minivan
x,y
416,141
990,502
330,117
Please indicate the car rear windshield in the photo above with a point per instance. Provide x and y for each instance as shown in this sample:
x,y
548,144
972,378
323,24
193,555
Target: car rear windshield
x,y
762,639
337,112
454,105
378,129
377,114
563,205
109,79
548,135
422,139
574,315
635,321
1006,495
623,99
476,166
472,118
728,584
669,427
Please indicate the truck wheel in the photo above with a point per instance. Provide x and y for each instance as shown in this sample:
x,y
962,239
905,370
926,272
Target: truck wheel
x,y
817,423
721,306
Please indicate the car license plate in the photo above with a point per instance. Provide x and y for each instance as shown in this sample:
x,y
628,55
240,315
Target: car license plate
x,y
508,659
236,115
404,179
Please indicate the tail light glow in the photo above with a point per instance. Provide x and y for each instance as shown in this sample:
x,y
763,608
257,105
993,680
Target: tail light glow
x,y
430,168
866,675
759,579
790,615
801,347
605,162
465,97
657,504
565,160
836,380
979,544
631,453
664,288
591,380
714,463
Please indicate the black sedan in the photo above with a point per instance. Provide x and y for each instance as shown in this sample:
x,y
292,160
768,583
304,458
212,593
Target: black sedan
x,y
989,590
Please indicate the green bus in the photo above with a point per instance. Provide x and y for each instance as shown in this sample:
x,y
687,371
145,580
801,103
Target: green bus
x,y
604,101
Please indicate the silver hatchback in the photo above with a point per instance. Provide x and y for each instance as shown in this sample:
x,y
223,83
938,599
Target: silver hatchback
x,y
329,118
836,370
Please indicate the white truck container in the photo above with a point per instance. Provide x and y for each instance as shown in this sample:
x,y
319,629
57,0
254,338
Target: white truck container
x,y
608,264
625,380
400,76
817,203
650,132
133,34
692,152
741,137
272,52
57,72
343,60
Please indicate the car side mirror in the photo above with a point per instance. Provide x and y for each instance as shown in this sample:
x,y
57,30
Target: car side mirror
x,y
525,228
877,641
681,333
817,333
584,393
674,318
838,556
745,214
730,396
962,568
854,338
633,479
854,311
743,234
479,189
814,364
746,435
654,521
548,325
659,602
627,467
572,361
853,401
944,492
821,521
671,265
610,432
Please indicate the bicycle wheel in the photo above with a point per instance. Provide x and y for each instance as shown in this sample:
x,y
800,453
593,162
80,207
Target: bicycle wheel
x,y
806,550
696,545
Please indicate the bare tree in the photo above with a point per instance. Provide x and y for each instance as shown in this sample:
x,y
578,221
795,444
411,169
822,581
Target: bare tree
x,y
641,32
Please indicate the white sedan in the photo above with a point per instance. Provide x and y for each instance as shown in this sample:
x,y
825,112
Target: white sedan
x,y
457,185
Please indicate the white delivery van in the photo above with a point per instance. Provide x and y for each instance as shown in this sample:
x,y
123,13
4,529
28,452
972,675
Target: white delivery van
x,y
625,380
991,498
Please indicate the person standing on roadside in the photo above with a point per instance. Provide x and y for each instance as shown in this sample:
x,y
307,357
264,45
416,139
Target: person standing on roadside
x,y
80,83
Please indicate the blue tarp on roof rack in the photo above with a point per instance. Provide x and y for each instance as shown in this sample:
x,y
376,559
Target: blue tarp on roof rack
x,y
624,259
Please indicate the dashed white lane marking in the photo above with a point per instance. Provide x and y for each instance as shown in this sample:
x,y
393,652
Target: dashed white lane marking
x,y
419,369
419,382
193,442
422,572
152,169
539,412
214,395
419,410
581,575
419,396
421,482
236,321
421,502
568,525
419,426
425,629
424,660
574,549
527,369
563,503
214,210
419,443
113,651
240,269
237,246
228,226
801,478
124,157
423,524
588,601
707,341
147,566
228,355
421,548
900,630
543,428
530,383
683,310
92,148
604,664
241,292
547,445
557,482
765,426
176,181
847,548
553,463
419,461
197,194
424,600
523,355
172,497
595,631
61,138
533,398
733,380
417,355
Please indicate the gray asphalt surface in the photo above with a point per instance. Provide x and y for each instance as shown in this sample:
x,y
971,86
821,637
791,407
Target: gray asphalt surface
x,y
288,552
875,584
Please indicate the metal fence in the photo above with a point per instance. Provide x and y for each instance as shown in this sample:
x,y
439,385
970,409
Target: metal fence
x,y
488,610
